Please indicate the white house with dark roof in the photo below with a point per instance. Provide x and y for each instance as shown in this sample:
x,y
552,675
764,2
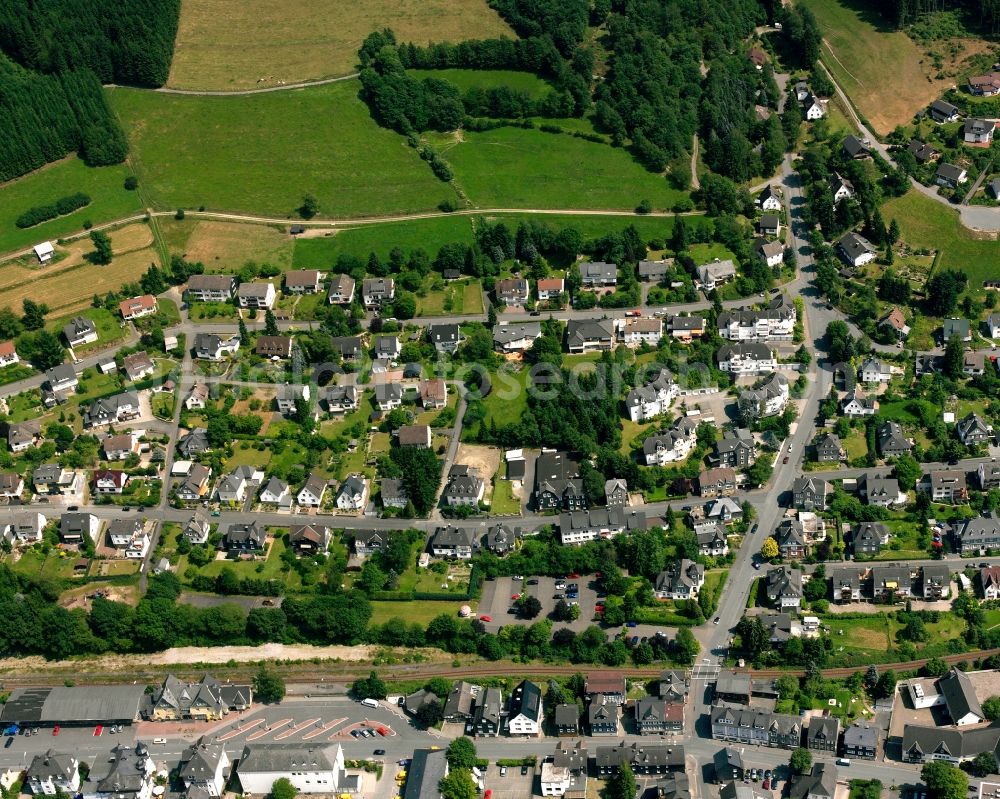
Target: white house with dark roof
x,y
53,772
746,357
311,494
855,249
303,281
590,335
596,274
79,331
341,291
353,493
377,291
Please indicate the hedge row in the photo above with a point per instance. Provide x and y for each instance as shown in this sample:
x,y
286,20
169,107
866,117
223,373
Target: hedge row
x,y
61,207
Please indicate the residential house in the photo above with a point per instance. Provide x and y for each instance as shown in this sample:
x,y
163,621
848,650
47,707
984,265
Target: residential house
x,y
61,378
558,483
415,435
433,394
945,485
388,396
654,271
195,485
311,494
748,725
856,404
712,541
715,273
53,480
936,578
784,587
896,322
566,719
244,537
22,436
129,536
340,399
993,325
860,741
773,252
613,687
974,363
868,538
589,335
8,354
525,714
829,449
110,481
791,540
616,493
309,539
973,431
685,328
415,702
636,331
459,706
79,331
988,475
880,491
672,686
984,85
27,527
341,291
52,773
671,446
950,175
137,307
653,398
943,112
846,585
137,366
643,758
874,370
960,698
387,347
855,249
550,288
197,529
978,131
597,274
811,493
989,577
368,542
453,542
203,768
822,734
273,346
445,338
892,581
349,348
464,487
302,281
856,148
210,288
956,327
516,336
487,720
769,225
512,291
306,765
353,493
892,443
777,322
210,347
130,775
112,410
426,770
757,57
288,397
656,717
603,716
11,485
769,199
841,188
814,108
922,151
750,357
681,579
718,482
377,291
735,450
75,528
500,539
197,398
231,488
579,527
194,443
819,783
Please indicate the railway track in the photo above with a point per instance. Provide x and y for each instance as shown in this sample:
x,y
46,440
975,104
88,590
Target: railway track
x,y
299,674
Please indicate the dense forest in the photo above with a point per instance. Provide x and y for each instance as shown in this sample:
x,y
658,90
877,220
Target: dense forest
x,y
54,57
906,12
673,69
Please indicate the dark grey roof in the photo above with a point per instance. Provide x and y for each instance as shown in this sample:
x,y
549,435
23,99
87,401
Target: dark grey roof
x,y
567,715
959,695
950,172
861,735
854,244
281,757
427,768
526,700
821,781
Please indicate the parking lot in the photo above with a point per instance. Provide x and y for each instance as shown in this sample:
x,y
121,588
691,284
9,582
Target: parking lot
x,y
497,600
512,785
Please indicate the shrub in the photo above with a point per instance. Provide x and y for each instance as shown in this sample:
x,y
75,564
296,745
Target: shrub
x,y
61,207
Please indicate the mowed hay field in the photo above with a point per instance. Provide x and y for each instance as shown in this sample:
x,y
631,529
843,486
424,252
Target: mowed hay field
x,y
261,154
883,71
232,44
108,200
520,168
72,282
227,246
926,223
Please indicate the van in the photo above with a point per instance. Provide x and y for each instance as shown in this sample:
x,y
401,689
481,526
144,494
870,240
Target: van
x,y
369,702
159,740
843,761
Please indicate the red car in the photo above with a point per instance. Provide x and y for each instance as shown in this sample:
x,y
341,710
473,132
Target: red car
x,y
515,596
485,618
599,608
574,576
55,730
98,730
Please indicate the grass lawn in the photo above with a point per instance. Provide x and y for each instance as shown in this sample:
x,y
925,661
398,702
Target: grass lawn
x,y
856,444
245,454
491,167
509,397
631,430
458,297
163,405
903,411
926,223
227,246
108,200
340,425
861,48
109,329
418,611
19,371
57,565
504,502
466,79
272,567
210,311
247,44
241,164
705,253
904,543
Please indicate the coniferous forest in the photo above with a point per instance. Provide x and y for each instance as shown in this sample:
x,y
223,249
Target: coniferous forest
x,y
54,57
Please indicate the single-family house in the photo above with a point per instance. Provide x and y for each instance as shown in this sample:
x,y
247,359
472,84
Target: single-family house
x,y
589,335
79,331
341,291
137,366
558,483
377,291
302,281
464,487
453,542
445,338
943,112
715,273
855,249
110,481
414,435
525,714
210,288
746,357
516,336
244,537
512,291
273,346
196,483
129,536
353,493
137,307
978,131
212,347
311,494
950,175
973,431
309,539
388,396
681,579
717,482
596,274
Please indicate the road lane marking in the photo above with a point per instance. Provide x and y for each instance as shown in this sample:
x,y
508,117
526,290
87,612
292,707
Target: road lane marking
x,y
325,728
274,726
241,729
294,729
